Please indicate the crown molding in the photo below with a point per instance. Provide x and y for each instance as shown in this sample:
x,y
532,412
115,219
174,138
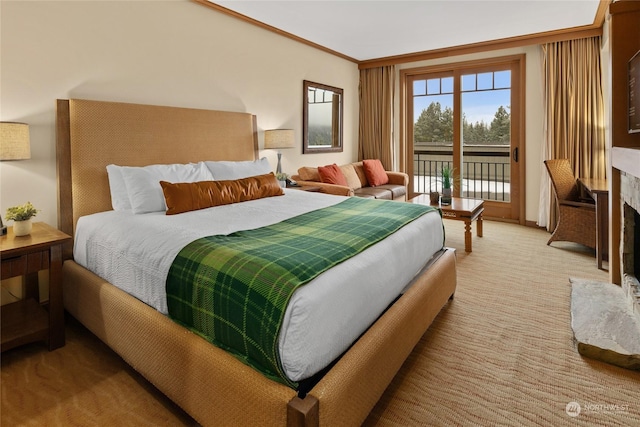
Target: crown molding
x,y
595,29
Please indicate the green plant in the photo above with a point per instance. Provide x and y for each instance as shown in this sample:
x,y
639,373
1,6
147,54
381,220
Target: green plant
x,y
447,176
281,176
21,213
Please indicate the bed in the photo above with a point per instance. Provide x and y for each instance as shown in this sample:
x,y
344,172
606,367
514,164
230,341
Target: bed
x,y
206,381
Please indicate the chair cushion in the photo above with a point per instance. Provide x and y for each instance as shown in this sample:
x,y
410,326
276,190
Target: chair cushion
x,y
376,175
331,174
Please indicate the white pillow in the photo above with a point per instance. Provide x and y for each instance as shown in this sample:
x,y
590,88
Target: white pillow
x,y
225,170
119,194
143,183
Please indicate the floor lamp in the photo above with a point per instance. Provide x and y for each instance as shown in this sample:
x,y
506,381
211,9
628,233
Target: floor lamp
x,y
277,139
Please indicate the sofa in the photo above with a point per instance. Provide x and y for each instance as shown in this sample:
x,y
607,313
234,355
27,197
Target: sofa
x,y
357,182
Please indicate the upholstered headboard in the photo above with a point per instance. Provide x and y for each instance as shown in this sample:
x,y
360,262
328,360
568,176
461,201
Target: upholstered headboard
x,y
94,134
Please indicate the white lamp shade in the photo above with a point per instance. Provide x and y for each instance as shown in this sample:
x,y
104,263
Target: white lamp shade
x,y
14,141
279,138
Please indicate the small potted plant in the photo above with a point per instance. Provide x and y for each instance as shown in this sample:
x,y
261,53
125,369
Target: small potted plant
x,y
282,179
21,215
447,184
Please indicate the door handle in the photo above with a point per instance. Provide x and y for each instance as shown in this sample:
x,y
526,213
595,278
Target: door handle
x,y
515,155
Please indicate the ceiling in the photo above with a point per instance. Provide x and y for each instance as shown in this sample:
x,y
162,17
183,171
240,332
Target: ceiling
x,y
365,29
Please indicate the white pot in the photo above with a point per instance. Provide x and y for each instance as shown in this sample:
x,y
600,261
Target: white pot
x,y
283,184
22,228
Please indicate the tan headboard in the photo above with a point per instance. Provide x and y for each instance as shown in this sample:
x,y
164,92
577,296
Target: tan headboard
x,y
94,134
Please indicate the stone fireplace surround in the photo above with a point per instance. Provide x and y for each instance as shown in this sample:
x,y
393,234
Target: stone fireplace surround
x,y
630,230
605,317
627,161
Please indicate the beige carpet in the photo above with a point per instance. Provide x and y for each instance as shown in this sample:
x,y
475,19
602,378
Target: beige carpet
x,y
500,354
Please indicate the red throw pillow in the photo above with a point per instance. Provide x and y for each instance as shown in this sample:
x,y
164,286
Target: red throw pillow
x,y
331,174
376,175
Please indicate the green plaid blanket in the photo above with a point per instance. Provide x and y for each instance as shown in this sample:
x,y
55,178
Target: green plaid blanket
x,y
233,290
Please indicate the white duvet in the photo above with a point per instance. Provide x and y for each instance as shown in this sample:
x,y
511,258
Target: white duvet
x,y
323,318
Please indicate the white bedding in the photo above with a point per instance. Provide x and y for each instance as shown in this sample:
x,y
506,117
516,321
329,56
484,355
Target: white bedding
x,y
324,317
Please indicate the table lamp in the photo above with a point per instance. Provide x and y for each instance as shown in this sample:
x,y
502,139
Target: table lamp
x,y
14,145
278,139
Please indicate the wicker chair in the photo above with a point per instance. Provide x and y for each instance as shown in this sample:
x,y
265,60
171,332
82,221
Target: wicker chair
x,y
576,219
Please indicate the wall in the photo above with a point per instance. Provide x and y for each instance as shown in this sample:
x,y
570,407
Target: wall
x,y
533,121
175,53
625,42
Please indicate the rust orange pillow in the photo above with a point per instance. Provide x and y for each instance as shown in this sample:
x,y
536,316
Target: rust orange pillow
x,y
331,174
190,196
376,175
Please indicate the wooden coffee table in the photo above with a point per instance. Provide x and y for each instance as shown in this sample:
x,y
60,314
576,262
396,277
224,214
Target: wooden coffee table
x,y
461,209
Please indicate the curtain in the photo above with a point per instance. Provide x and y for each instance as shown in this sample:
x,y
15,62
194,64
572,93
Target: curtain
x,y
574,115
375,135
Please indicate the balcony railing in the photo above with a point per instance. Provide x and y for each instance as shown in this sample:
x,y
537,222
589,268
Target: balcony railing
x,y
486,170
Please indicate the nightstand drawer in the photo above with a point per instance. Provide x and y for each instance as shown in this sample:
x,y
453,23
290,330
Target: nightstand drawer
x,y
25,264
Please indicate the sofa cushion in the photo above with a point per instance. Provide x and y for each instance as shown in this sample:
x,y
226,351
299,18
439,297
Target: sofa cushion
x,y
331,174
398,191
359,168
376,192
353,181
376,175
309,174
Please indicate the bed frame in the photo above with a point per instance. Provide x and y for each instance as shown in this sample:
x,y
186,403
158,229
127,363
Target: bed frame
x,y
208,383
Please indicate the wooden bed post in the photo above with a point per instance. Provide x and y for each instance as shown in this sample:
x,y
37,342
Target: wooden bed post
x,y
303,412
63,156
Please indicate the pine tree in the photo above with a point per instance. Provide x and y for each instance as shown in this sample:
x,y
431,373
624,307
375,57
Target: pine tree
x,y
477,133
500,131
446,125
434,125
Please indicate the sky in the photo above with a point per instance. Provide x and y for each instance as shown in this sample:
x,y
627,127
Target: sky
x,y
479,102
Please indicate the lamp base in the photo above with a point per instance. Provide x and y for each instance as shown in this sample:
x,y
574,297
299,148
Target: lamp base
x,y
279,167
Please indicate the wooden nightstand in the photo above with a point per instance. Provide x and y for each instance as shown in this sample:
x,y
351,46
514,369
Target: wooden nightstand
x,y
26,321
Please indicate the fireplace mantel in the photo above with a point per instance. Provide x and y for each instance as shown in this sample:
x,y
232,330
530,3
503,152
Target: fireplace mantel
x,y
626,160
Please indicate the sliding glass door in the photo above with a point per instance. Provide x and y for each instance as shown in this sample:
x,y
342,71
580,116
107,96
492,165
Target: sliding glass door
x,y
467,116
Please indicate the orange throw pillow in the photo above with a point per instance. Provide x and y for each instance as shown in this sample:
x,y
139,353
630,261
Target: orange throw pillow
x,y
376,175
331,174
190,196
